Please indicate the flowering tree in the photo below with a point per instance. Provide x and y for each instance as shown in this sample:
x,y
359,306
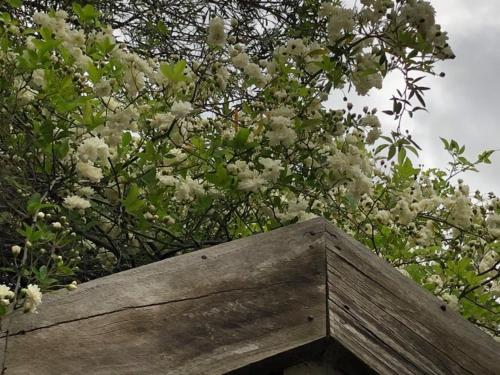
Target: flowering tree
x,y
112,159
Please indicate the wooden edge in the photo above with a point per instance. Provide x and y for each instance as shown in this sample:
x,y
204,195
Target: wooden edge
x,y
269,365
59,303
413,333
290,261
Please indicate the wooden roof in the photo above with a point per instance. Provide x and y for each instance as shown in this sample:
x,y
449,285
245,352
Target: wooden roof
x,y
231,306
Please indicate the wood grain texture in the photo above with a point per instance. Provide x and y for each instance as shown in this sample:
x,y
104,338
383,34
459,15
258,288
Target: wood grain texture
x,y
229,307
394,325
207,312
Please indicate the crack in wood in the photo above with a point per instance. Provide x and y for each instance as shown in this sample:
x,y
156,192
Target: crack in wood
x,y
331,267
23,332
369,333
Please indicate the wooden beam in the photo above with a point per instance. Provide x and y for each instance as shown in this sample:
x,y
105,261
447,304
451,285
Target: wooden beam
x,y
233,306
210,312
394,325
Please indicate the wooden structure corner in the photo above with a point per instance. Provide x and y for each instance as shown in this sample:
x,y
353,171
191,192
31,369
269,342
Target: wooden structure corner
x,y
251,306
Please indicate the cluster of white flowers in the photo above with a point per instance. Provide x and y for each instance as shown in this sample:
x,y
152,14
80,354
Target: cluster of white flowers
x,y
296,207
451,300
248,179
181,108
175,156
103,88
362,81
240,60
254,71
371,121
106,258
426,236
436,280
93,149
216,33
162,121
296,47
403,213
32,298
340,20
38,78
136,71
489,260
493,225
375,10
73,39
460,208
85,191
420,14
281,131
187,189
272,169
165,177
5,294
88,171
75,202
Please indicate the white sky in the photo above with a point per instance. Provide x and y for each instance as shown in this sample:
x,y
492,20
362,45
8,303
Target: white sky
x,y
464,104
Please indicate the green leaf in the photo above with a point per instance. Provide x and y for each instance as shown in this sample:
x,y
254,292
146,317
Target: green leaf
x,y
15,3
392,152
34,203
220,177
126,139
174,72
86,13
132,202
240,139
94,73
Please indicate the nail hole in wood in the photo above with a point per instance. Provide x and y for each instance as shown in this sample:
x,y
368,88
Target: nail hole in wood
x,y
203,257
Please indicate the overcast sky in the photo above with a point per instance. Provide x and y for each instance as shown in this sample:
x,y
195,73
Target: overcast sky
x,y
465,104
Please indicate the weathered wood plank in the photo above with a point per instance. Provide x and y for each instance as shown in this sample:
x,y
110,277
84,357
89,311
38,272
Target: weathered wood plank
x,y
211,311
227,307
394,325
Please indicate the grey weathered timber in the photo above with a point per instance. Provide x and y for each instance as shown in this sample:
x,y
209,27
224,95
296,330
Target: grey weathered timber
x,y
233,306
206,312
392,324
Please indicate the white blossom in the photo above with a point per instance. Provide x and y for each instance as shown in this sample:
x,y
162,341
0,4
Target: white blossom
x,y
5,294
75,202
32,299
72,286
187,189
16,250
295,47
254,71
435,279
488,261
89,171
103,88
93,149
38,78
281,131
272,168
181,108
451,300
216,34
240,60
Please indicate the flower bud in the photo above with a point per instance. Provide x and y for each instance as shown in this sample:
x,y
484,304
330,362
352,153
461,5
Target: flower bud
x,y
16,250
